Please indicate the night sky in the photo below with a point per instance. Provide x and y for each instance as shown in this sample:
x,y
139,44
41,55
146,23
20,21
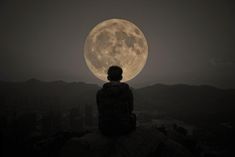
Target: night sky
x,y
190,42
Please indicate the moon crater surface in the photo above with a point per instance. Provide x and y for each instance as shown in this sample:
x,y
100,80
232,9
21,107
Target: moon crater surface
x,y
116,42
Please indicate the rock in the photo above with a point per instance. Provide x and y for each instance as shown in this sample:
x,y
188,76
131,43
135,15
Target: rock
x,y
143,142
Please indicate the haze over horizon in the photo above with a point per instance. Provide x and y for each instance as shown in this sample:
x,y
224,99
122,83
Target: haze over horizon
x,y
190,42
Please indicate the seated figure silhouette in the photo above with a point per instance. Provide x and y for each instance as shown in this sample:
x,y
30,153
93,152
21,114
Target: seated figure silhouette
x,y
115,105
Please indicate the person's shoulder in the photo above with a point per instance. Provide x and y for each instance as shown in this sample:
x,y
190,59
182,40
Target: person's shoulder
x,y
116,84
105,85
99,90
125,85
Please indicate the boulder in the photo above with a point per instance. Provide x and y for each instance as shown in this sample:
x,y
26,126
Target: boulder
x,y
143,142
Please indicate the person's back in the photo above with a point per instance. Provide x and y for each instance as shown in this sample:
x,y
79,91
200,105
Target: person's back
x,y
115,105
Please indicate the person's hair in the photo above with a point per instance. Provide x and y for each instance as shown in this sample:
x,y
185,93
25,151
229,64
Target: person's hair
x,y
114,73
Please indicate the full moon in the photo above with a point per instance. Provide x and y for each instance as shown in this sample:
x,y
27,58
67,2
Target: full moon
x,y
116,42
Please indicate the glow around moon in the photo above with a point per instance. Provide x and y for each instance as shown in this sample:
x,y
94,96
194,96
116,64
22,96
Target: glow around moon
x,y
116,42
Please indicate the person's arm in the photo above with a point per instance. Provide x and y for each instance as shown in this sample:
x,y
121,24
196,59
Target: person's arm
x,y
131,101
97,99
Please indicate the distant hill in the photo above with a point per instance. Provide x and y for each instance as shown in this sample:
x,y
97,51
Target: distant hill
x,y
37,94
195,103
190,103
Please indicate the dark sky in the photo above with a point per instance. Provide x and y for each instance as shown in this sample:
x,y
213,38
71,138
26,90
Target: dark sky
x,y
190,42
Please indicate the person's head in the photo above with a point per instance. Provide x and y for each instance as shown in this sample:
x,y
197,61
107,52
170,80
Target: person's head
x,y
114,73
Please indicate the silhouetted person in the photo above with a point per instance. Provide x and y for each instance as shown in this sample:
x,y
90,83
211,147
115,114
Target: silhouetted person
x,y
115,105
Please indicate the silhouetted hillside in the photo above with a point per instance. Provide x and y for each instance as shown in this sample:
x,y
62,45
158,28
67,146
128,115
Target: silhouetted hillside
x,y
192,103
41,95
